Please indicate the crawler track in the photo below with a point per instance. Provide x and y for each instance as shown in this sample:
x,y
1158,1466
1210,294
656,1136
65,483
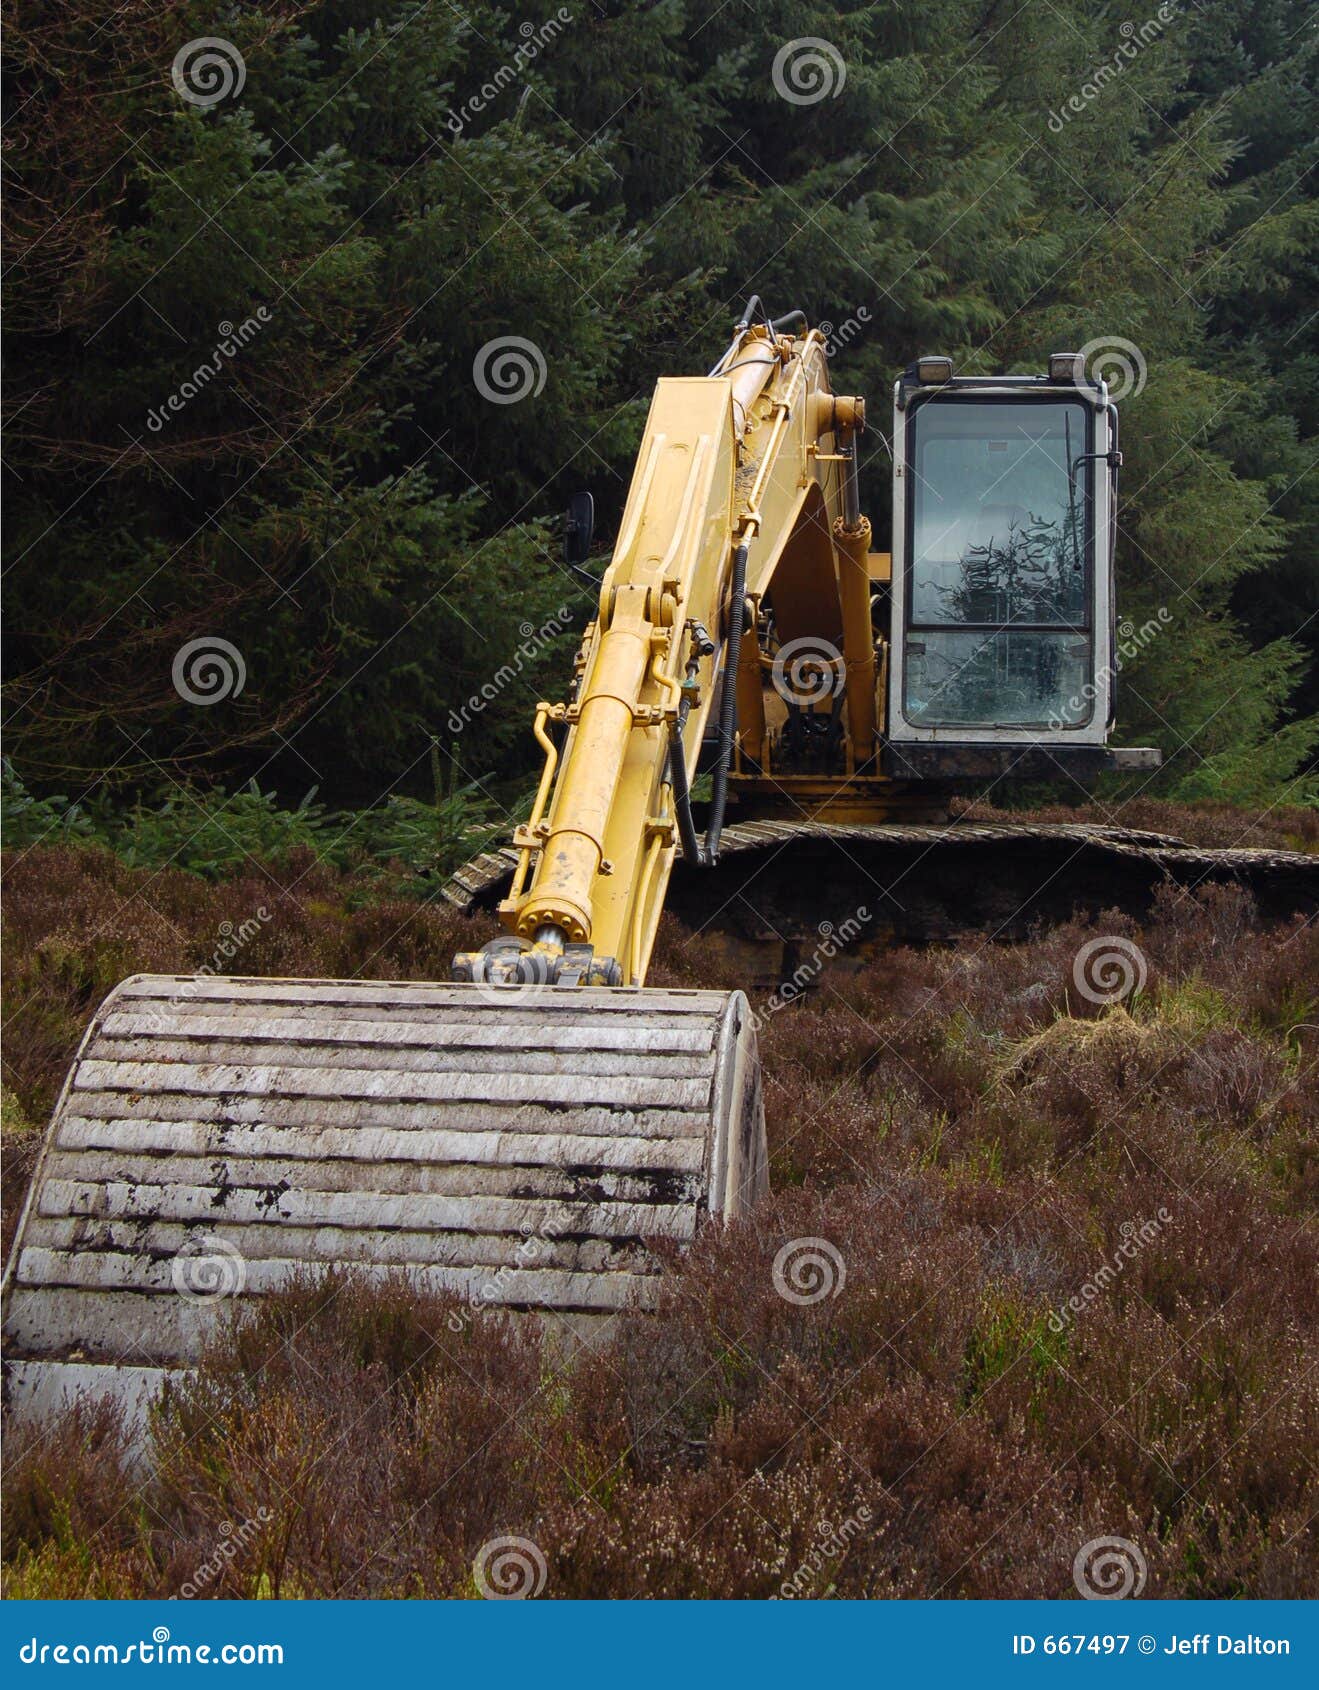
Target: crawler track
x,y
778,882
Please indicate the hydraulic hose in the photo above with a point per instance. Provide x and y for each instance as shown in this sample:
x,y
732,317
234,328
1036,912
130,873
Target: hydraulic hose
x,y
727,705
682,797
755,312
707,854
851,487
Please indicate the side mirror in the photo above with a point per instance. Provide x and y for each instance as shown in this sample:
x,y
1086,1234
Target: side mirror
x,y
578,528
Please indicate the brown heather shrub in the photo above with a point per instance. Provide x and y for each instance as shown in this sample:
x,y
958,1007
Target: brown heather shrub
x,y
20,1138
1282,827
76,1523
1003,1375
78,921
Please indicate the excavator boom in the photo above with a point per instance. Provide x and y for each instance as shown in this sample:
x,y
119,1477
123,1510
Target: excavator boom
x,y
739,475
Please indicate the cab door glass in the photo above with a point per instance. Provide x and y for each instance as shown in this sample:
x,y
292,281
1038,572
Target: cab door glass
x,y
999,582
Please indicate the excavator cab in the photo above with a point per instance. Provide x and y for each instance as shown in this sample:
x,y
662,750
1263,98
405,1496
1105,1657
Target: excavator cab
x,y
1001,623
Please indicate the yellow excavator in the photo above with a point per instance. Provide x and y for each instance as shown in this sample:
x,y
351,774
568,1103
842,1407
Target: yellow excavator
x,y
524,1133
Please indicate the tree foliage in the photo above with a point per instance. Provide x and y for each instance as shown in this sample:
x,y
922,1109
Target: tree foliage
x,y
398,184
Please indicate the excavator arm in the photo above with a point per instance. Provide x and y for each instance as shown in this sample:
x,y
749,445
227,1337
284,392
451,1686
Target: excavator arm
x,y
740,473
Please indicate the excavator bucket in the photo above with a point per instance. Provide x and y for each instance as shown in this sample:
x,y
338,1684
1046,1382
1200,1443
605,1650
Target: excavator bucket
x,y
515,1146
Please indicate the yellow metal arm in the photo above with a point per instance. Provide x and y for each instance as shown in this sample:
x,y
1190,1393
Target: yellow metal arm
x,y
734,458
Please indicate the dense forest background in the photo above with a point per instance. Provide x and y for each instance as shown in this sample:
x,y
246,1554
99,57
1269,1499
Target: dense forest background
x,y
387,188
